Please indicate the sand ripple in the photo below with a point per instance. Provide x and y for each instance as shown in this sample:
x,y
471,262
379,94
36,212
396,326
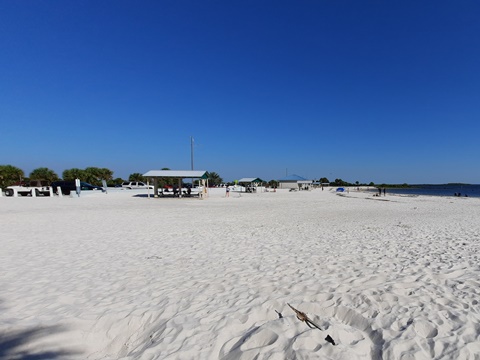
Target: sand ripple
x,y
186,279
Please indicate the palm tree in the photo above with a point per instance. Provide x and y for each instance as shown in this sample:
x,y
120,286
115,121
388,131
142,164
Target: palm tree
x,y
44,173
214,179
94,175
10,175
273,183
115,182
136,177
72,174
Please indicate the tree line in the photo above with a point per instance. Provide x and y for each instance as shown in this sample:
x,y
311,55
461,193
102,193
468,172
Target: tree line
x,y
11,175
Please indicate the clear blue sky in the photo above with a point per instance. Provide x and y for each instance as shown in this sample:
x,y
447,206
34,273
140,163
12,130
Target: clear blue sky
x,y
382,91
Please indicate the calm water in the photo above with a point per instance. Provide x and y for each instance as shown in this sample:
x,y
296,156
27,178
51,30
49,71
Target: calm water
x,y
438,190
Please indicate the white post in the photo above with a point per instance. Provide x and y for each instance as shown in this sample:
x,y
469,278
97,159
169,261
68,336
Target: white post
x,y
1,192
59,191
15,193
33,193
51,191
104,185
77,185
155,187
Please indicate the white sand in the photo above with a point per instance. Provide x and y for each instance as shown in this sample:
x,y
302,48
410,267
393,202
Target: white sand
x,y
115,276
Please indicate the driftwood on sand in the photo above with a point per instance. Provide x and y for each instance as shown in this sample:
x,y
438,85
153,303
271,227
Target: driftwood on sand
x,y
304,318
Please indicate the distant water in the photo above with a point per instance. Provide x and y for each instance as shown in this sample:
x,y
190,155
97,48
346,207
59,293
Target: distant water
x,y
437,190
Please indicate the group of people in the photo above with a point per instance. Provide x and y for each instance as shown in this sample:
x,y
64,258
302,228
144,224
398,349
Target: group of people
x,y
176,191
380,192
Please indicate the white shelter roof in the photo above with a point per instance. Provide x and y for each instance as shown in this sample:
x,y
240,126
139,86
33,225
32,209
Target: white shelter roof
x,y
249,180
176,173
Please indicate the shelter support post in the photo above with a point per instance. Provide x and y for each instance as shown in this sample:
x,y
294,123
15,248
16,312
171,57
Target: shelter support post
x,y
155,187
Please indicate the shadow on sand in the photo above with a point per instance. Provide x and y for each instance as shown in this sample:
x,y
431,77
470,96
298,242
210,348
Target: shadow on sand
x,y
16,344
166,196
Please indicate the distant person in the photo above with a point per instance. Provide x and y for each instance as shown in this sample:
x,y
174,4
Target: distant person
x,y
379,191
227,192
384,192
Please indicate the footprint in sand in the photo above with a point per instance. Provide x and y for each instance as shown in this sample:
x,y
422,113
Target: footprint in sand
x,y
353,334
425,329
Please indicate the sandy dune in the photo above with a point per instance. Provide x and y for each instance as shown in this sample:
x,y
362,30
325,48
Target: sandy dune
x,y
122,276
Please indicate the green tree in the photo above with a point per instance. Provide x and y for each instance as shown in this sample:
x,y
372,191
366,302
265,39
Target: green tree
x,y
115,182
214,179
43,174
324,180
10,175
136,177
273,183
74,173
95,175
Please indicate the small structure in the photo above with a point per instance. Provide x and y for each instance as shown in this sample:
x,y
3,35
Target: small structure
x,y
318,184
305,184
179,175
294,182
250,184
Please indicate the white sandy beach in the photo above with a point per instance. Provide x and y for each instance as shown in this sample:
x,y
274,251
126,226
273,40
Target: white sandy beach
x,y
114,276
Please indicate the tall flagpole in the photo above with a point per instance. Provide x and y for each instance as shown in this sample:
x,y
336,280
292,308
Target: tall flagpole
x,y
191,150
191,154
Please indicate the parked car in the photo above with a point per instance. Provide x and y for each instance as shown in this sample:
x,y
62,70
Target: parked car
x,y
69,186
136,185
40,187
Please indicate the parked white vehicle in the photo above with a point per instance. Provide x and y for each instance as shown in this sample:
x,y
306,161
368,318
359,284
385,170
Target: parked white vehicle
x,y
34,188
136,185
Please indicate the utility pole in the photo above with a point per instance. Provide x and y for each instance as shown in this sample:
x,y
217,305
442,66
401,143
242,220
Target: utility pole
x,y
191,150
191,155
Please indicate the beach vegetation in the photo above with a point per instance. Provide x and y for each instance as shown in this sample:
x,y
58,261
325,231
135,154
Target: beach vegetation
x,y
273,183
137,177
91,175
10,175
114,182
44,173
340,182
214,179
95,175
72,174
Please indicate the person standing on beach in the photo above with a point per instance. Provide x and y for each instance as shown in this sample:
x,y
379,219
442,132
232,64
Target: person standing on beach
x,y
384,192
227,192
